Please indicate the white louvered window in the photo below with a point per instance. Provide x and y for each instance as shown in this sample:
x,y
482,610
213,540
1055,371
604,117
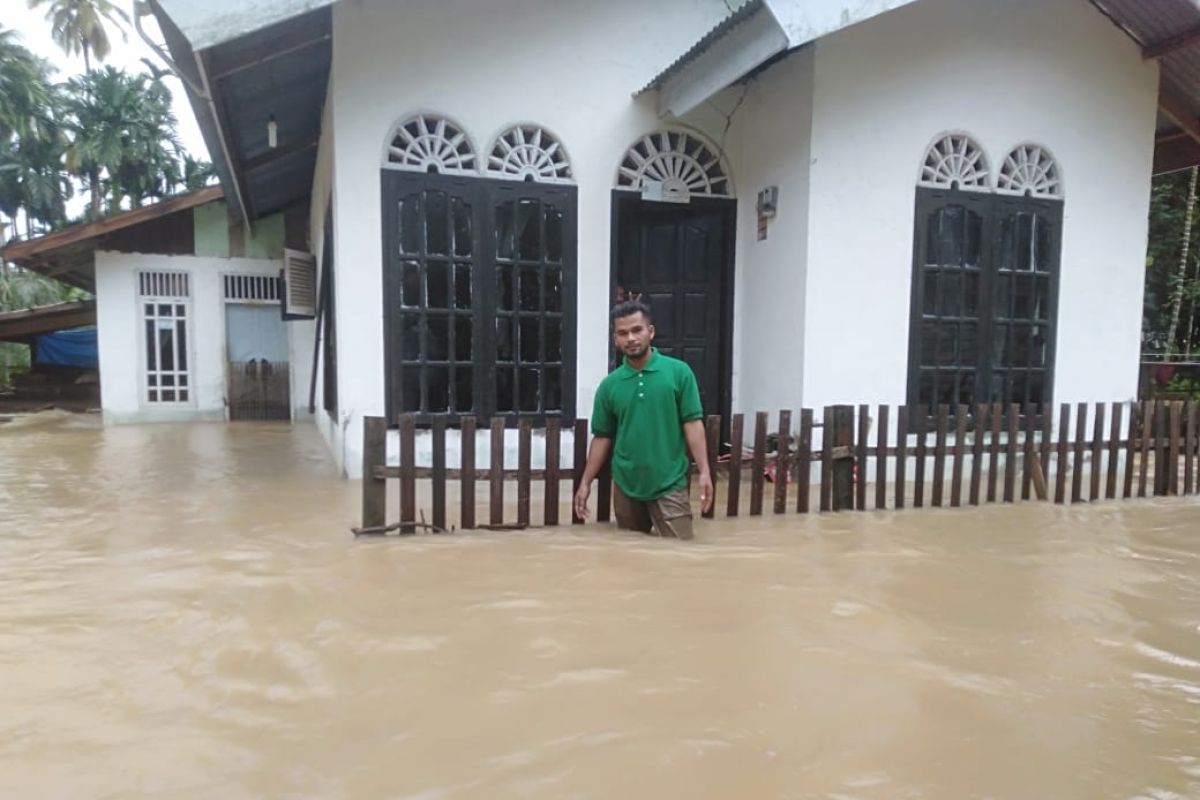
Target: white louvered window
x,y
258,289
164,301
164,284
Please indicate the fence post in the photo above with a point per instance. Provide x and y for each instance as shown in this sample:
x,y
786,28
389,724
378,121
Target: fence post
x,y
581,452
712,435
467,474
408,473
496,473
374,488
1161,468
438,443
553,461
843,463
783,468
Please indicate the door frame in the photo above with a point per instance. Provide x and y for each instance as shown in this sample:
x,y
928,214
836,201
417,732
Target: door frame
x,y
225,344
727,207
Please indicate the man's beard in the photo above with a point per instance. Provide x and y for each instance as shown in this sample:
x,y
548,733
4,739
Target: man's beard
x,y
639,352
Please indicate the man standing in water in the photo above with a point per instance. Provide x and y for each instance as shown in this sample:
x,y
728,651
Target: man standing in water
x,y
647,414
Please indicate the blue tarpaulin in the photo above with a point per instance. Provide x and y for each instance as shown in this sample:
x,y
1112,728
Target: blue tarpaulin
x,y
69,348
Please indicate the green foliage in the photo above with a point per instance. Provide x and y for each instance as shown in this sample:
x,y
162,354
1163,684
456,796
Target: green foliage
x,y
1184,384
18,290
109,133
78,26
123,137
1168,209
21,289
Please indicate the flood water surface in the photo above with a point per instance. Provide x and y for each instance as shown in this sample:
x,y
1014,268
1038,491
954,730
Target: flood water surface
x,y
184,614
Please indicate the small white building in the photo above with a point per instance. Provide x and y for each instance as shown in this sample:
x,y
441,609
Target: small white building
x,y
187,312
893,201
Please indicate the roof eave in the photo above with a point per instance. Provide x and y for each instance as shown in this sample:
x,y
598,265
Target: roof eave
x,y
188,61
754,35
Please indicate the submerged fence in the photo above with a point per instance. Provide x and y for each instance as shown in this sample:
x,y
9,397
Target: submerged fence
x,y
880,457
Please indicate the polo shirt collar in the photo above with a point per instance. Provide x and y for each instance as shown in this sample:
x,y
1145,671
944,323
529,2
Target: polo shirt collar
x,y
651,364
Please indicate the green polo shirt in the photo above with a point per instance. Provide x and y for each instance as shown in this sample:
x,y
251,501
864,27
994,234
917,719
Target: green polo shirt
x,y
643,412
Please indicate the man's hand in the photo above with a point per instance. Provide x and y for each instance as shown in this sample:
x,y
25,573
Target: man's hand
x,y
581,500
707,495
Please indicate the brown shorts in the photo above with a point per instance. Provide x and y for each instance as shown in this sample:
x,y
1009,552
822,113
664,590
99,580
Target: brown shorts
x,y
669,515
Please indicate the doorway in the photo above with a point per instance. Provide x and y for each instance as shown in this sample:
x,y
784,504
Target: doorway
x,y
678,258
258,378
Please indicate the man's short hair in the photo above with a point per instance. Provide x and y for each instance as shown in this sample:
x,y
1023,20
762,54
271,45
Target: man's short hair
x,y
628,308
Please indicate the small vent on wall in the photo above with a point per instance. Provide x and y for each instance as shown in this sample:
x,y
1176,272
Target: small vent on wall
x,y
299,285
164,284
252,288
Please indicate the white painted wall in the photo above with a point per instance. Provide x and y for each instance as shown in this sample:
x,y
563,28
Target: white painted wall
x,y
300,357
841,127
771,148
1055,72
576,64
321,199
806,20
119,324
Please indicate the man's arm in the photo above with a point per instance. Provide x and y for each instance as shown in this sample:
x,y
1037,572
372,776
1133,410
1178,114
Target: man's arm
x,y
693,431
597,455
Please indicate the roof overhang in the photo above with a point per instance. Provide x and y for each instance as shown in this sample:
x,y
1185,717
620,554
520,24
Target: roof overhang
x,y
760,31
26,324
746,40
1168,31
215,22
244,64
68,255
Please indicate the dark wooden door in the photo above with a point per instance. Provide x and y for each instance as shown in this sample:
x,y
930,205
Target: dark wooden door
x,y
679,259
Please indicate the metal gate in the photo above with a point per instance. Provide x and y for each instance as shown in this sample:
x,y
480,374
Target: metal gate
x,y
257,381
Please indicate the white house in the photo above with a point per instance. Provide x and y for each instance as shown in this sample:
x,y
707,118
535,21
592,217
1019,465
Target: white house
x,y
187,311
891,201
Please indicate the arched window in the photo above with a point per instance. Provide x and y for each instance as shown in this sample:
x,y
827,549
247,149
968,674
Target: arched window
x,y
1030,170
430,143
956,161
682,162
985,277
529,153
478,273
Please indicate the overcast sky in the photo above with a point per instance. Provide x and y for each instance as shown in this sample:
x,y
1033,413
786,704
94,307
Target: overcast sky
x,y
126,54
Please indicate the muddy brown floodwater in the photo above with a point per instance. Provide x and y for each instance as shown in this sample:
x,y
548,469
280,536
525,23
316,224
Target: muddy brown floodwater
x,y
183,614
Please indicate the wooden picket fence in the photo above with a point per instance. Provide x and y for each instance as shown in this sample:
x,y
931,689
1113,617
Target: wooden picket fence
x,y
992,454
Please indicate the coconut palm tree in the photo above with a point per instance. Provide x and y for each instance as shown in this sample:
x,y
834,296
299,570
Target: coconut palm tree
x,y
150,160
123,136
25,86
78,26
196,174
93,106
33,180
32,175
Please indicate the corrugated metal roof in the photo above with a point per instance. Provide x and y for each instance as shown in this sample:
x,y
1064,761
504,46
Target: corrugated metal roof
x,y
1150,20
213,22
1166,30
740,15
1153,22
26,323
